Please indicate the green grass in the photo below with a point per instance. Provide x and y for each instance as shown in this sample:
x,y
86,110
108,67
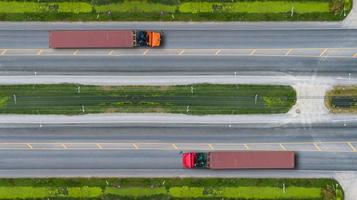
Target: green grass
x,y
136,191
84,192
170,188
173,10
272,193
255,7
26,192
135,6
196,99
33,7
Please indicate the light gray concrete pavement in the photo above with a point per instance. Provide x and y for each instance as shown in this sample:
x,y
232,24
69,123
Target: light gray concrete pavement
x,y
323,53
351,19
172,25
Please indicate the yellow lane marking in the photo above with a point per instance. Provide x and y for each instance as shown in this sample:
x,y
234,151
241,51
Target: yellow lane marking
x,y
288,52
246,146
99,146
135,146
146,51
174,146
252,52
39,52
323,52
218,51
210,147
351,146
317,146
3,52
64,146
282,147
75,52
29,146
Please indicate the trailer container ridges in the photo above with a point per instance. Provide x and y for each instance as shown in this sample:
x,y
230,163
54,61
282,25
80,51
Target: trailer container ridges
x,y
239,160
103,39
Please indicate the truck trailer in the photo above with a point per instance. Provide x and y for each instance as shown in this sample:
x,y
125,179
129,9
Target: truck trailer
x,y
239,160
70,39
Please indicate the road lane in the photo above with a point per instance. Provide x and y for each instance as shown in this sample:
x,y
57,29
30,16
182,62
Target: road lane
x,y
82,151
212,39
88,159
147,159
173,65
177,133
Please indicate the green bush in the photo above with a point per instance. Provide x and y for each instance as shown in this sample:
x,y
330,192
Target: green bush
x,y
84,192
170,188
104,2
186,192
136,191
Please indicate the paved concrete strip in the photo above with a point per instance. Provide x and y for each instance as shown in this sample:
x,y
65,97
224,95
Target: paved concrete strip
x,y
301,146
301,52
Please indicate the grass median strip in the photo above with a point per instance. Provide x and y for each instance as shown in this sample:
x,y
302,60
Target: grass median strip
x,y
198,99
341,99
174,10
170,188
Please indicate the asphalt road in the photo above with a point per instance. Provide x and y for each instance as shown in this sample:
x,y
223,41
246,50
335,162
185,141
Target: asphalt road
x,y
213,39
149,133
144,159
37,158
173,65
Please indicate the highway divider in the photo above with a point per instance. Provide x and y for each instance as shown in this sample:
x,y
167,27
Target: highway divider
x,y
170,188
342,99
195,99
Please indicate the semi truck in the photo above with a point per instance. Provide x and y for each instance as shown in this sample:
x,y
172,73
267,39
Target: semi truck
x,y
239,160
68,39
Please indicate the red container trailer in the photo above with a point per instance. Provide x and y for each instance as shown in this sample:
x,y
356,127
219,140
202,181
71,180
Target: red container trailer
x,y
239,160
103,39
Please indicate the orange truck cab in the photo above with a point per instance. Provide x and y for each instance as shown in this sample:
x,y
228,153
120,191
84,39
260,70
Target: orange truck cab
x,y
154,39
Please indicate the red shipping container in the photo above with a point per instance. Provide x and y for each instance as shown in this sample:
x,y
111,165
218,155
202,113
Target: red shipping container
x,y
251,160
91,39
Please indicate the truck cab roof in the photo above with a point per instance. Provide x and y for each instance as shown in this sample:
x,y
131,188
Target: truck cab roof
x,y
188,160
154,39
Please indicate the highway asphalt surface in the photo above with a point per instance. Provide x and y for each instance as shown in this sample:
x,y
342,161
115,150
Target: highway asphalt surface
x,y
141,158
146,159
213,39
197,133
174,65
